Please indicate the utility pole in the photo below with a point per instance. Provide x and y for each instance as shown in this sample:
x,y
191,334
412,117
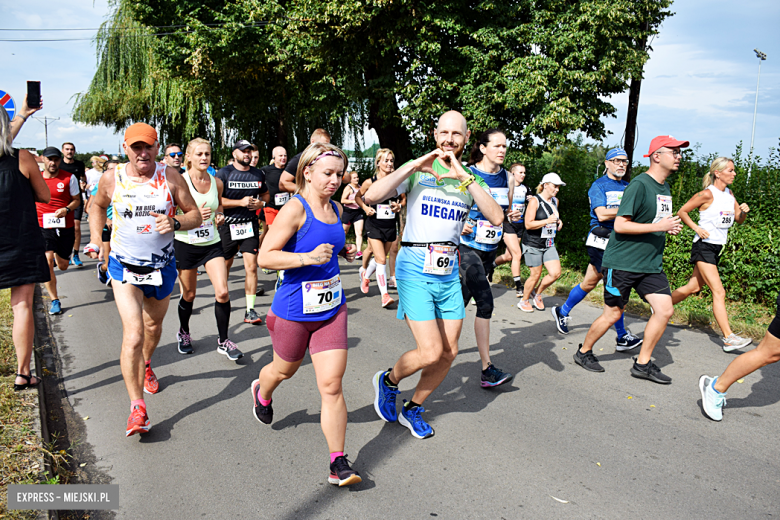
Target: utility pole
x,y
629,139
761,57
45,123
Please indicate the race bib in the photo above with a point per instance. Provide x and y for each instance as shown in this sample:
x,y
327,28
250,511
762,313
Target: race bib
x,y
725,220
663,207
597,242
202,233
280,199
321,296
241,231
500,195
384,211
614,198
488,233
153,278
439,259
51,222
518,207
549,230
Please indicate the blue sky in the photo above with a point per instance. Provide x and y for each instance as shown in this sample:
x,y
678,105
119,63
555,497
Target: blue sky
x,y
699,85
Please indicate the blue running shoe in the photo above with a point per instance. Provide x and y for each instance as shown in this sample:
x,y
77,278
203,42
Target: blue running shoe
x,y
627,342
75,260
410,417
384,400
55,307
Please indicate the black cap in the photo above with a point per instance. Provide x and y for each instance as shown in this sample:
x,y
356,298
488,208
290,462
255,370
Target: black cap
x,y
52,151
242,145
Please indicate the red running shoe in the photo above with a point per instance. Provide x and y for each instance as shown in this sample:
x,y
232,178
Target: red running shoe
x,y
387,300
138,422
151,385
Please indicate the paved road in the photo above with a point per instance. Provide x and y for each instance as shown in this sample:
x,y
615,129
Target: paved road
x,y
609,445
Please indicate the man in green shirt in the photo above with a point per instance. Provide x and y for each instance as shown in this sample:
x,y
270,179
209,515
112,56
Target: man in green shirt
x,y
634,259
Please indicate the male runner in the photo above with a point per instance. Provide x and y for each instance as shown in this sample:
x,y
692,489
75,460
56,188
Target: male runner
x,y
255,158
634,259
244,193
604,195
440,193
273,173
142,266
287,180
56,219
174,156
77,168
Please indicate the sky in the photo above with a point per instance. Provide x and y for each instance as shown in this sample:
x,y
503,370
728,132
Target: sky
x,y
699,85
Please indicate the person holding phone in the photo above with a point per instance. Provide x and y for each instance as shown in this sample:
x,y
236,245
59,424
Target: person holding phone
x,y
23,113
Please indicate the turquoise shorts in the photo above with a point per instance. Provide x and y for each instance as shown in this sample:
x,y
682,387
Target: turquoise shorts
x,y
426,301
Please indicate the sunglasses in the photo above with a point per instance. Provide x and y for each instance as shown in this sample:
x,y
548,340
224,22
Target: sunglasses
x,y
175,154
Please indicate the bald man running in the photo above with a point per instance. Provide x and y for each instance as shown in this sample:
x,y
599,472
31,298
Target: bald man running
x,y
440,193
273,173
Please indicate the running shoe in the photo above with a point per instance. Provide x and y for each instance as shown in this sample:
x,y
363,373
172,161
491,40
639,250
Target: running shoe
x,y
519,292
359,255
384,398
537,301
391,283
138,422
651,372
561,321
412,419
341,474
387,300
151,385
525,306
587,360
260,291
230,350
102,276
712,401
364,281
75,260
627,342
55,307
492,376
252,317
264,414
184,341
267,271
239,255
735,342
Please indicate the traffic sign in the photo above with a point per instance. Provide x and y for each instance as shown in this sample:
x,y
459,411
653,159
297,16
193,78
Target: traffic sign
x,y
8,104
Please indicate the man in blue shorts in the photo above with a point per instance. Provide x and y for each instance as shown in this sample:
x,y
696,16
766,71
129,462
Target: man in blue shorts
x,y
440,193
141,264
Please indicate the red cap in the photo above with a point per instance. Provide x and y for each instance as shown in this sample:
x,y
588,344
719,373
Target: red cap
x,y
140,132
665,141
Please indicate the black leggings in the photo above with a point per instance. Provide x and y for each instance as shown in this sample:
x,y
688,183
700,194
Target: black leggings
x,y
774,327
474,266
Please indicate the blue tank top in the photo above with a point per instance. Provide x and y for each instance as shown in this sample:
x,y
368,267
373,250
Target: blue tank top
x,y
498,185
289,297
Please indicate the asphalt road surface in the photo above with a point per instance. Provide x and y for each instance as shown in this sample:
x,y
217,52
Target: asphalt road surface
x,y
556,442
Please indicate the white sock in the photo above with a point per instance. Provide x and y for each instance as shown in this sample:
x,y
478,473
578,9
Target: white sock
x,y
371,269
381,278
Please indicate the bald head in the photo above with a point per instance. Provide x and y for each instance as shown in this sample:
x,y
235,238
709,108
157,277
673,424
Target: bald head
x,y
452,133
279,155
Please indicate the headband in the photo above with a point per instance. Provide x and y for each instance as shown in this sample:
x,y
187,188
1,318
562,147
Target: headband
x,y
326,154
615,152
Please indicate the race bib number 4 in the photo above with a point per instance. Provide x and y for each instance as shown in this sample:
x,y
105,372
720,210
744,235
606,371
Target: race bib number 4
x,y
321,296
202,233
280,199
154,278
439,259
488,233
52,222
241,231
725,220
597,242
384,211
663,207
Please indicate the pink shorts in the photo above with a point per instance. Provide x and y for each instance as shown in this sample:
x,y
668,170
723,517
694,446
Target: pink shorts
x,y
291,339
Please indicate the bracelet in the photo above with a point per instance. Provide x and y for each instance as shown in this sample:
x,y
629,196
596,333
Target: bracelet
x,y
465,184
219,213
23,118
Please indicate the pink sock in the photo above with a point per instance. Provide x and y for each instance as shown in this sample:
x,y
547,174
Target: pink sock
x,y
335,454
260,398
139,402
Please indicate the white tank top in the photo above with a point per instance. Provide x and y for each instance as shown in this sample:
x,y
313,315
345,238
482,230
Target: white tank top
x,y
718,217
134,240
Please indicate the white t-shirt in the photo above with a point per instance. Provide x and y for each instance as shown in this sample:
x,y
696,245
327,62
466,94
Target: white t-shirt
x,y
93,176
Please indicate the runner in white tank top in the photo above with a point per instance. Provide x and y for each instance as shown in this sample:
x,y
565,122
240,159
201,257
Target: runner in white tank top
x,y
144,195
718,211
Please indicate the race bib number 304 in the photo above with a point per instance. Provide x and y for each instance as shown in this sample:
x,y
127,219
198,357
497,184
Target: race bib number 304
x,y
241,231
52,222
439,259
321,296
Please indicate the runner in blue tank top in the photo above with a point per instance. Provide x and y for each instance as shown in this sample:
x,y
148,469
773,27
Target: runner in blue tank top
x,y
309,311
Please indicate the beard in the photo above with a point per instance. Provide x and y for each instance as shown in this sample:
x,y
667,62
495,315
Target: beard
x,y
243,162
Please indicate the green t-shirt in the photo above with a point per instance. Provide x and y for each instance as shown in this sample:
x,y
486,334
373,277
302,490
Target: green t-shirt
x,y
645,201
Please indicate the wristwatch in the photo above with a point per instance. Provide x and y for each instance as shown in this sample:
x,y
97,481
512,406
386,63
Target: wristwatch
x,y
67,209
176,225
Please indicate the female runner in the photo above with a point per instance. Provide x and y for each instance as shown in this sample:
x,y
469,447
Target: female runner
x,y
513,225
352,212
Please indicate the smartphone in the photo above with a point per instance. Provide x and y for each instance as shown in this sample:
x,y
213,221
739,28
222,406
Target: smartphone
x,y
34,94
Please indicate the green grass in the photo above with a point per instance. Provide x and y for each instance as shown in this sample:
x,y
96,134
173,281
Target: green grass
x,y
20,446
747,319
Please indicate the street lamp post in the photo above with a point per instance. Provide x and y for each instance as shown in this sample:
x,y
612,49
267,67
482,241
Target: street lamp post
x,y
761,57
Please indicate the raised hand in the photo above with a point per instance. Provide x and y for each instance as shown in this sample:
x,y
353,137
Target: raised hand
x,y
425,163
163,223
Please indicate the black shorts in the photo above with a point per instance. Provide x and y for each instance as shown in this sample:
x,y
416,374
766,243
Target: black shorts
x,y
596,255
705,252
383,234
618,285
513,228
350,215
774,327
190,256
473,267
78,213
248,245
106,237
60,241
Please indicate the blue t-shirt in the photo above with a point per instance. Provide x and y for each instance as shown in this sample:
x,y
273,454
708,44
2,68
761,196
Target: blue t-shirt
x,y
110,208
498,186
606,193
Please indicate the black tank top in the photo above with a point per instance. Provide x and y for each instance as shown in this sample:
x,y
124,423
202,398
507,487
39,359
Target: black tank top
x,y
384,223
533,237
